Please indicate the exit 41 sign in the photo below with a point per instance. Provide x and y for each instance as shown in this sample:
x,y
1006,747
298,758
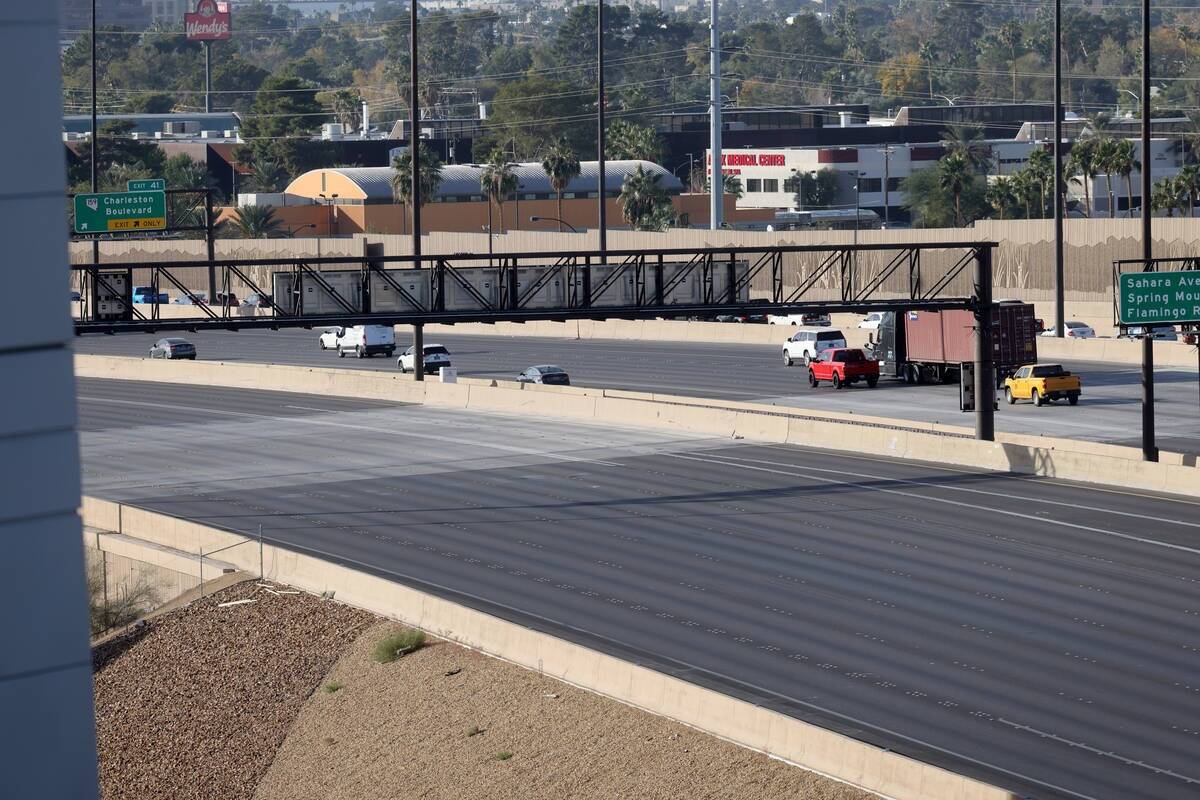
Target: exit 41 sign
x,y
1152,298
149,184
121,211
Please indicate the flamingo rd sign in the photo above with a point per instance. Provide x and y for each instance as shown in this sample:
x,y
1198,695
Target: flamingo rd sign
x,y
120,211
1153,298
208,23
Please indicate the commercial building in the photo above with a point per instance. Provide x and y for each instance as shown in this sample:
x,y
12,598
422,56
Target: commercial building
x,y
350,200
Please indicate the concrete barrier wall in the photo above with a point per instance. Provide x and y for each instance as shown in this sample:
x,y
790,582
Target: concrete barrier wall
x,y
1062,458
751,726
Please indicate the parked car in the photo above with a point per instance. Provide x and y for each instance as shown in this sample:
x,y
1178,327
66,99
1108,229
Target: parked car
x,y
174,348
257,300
1162,333
871,321
807,318
1073,329
547,374
191,298
146,294
843,366
1042,382
225,299
805,345
436,356
746,318
365,341
76,297
330,337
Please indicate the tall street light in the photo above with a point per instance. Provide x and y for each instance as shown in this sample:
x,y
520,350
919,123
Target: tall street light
x,y
601,211
1149,448
1059,320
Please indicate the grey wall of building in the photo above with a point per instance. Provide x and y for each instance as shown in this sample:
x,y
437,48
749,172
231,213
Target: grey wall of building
x,y
47,734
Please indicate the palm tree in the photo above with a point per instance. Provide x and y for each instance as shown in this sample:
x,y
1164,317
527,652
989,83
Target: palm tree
x,y
927,53
256,222
1041,172
431,176
1167,196
1082,162
1024,188
644,203
498,180
1002,194
967,141
1188,181
954,175
561,166
1010,37
1124,162
731,183
1108,159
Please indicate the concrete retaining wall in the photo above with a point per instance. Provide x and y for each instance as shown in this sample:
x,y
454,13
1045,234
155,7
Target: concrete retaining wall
x,y
1069,459
751,726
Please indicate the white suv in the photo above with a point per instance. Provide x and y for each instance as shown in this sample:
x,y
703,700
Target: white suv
x,y
805,345
436,357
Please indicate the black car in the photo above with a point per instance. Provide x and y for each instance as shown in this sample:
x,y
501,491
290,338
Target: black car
x,y
547,374
174,348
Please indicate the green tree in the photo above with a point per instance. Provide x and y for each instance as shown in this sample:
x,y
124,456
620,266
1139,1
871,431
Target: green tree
x,y
256,222
115,146
1167,195
280,123
150,103
624,140
1041,173
1188,186
1026,190
933,206
813,190
530,112
430,180
1108,161
1123,161
645,205
1083,162
561,166
730,184
954,175
967,141
498,180
1002,196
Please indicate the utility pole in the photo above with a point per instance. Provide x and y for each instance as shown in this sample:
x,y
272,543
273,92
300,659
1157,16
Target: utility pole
x,y
716,182
887,177
92,144
207,76
414,151
1059,306
1149,448
601,215
985,384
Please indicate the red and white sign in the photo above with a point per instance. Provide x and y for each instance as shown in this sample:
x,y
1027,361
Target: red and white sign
x,y
209,22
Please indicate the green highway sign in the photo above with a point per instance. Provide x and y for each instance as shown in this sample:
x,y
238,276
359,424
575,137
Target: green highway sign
x,y
1151,298
121,211
147,185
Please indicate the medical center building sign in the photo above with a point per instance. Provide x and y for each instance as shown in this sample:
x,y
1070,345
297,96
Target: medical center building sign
x,y
208,23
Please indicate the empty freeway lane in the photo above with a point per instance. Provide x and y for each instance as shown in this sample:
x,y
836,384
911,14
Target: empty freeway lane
x,y
1040,635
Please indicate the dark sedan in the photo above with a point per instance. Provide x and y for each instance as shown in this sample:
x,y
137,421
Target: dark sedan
x,y
173,348
547,374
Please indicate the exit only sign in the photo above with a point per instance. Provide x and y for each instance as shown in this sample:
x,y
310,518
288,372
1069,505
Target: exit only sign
x,y
1152,298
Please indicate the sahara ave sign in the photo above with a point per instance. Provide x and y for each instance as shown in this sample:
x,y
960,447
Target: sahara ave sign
x,y
1152,298
208,23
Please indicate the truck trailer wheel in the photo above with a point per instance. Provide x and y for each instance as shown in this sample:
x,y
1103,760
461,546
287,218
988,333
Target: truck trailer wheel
x,y
1073,399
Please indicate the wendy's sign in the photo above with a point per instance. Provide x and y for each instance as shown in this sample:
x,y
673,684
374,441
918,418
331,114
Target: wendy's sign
x,y
209,22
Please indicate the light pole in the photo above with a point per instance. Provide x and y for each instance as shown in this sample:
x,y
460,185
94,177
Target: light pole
x,y
1059,304
601,181
716,182
292,232
1149,448
554,219
329,204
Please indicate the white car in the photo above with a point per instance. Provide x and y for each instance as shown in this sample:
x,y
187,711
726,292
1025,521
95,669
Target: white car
x,y
871,321
1073,329
805,345
807,318
330,338
436,357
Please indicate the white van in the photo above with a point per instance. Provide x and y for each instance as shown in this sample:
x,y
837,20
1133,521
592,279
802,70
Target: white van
x,y
805,345
807,318
367,340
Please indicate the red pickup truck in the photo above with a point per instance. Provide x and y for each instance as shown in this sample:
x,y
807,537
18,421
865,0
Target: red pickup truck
x,y
842,366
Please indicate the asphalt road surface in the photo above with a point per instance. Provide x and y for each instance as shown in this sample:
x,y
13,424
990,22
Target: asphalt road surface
x,y
1109,412
1041,635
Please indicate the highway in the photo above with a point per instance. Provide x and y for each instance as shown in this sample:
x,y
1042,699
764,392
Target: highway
x,y
1040,635
1109,412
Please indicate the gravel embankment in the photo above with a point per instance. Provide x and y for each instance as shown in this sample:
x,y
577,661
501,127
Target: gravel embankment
x,y
436,723
195,703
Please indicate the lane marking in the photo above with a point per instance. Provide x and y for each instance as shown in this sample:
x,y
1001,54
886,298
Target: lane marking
x,y
1007,496
945,501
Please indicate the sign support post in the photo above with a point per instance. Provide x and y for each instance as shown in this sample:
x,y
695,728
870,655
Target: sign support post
x,y
985,385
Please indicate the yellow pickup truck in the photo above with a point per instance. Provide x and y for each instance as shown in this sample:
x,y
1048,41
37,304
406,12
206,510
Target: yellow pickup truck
x,y
1042,382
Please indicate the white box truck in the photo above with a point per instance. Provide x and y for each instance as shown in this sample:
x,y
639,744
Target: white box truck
x,y
365,341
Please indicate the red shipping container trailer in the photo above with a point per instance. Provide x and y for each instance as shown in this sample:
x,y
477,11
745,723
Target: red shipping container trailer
x,y
931,345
